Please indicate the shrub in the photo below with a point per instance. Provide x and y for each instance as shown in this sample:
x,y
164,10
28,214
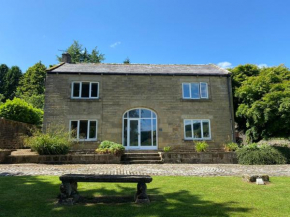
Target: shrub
x,y
108,147
19,110
284,150
254,154
53,142
167,149
201,146
231,146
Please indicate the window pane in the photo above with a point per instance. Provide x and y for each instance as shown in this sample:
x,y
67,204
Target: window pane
x,y
85,89
76,89
146,138
83,132
125,131
126,115
145,113
74,129
186,93
134,113
153,115
196,129
154,132
195,91
94,90
204,90
205,125
93,130
188,129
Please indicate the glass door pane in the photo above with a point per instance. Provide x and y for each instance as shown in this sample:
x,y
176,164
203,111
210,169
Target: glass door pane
x,y
146,130
134,133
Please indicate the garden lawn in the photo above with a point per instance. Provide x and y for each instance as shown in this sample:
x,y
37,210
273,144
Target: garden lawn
x,y
170,196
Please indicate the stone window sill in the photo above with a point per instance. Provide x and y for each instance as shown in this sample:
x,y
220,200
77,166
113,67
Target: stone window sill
x,y
195,100
85,100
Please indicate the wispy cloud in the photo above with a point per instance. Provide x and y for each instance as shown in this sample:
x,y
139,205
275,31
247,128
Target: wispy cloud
x,y
225,65
115,44
262,65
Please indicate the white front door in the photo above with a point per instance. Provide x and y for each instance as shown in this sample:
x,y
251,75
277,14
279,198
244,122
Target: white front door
x,y
140,129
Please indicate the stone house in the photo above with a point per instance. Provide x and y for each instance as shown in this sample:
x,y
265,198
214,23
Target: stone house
x,y
142,106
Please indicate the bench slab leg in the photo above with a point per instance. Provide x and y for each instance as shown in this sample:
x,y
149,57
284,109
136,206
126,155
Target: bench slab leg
x,y
68,193
141,194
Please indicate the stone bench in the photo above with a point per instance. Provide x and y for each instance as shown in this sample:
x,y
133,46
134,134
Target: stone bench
x,y
70,195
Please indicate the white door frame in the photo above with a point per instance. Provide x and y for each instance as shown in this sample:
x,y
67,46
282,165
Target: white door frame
x,y
139,147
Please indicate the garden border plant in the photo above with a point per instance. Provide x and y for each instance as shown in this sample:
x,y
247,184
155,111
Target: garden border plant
x,y
109,147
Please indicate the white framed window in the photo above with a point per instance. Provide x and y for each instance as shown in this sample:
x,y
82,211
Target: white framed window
x,y
85,90
83,130
195,90
197,129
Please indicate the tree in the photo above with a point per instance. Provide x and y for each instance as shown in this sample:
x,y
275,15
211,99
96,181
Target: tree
x,y
239,74
127,61
32,83
11,82
265,103
19,110
80,54
31,86
3,71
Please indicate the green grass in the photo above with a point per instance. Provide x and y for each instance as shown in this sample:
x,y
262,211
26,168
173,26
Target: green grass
x,y
170,196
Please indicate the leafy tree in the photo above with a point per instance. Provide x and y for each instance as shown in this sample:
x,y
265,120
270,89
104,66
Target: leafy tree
x,y
37,101
11,81
32,83
265,103
239,75
80,54
3,71
127,61
19,110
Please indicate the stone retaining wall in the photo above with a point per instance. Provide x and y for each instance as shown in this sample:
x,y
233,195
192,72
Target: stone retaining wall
x,y
65,159
203,158
12,133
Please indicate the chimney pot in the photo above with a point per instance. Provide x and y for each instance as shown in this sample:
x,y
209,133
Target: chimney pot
x,y
66,58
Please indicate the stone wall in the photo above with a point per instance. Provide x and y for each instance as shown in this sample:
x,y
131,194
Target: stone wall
x,y
12,133
162,94
203,157
65,159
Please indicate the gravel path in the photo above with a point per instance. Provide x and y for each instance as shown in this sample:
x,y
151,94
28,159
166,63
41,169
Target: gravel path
x,y
144,169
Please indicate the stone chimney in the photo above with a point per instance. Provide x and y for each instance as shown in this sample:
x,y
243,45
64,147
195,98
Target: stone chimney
x,y
66,58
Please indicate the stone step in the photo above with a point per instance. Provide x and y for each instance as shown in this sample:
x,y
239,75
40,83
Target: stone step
x,y
126,158
142,155
142,162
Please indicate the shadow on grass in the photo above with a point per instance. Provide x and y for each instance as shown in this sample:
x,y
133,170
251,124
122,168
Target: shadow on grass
x,y
36,196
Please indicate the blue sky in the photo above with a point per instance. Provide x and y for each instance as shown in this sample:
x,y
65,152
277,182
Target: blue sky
x,y
147,31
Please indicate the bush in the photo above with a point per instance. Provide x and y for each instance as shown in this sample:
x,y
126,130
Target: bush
x,y
167,149
19,110
231,146
254,154
201,146
285,151
108,147
53,142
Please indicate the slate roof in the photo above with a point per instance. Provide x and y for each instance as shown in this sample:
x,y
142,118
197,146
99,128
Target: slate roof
x,y
137,69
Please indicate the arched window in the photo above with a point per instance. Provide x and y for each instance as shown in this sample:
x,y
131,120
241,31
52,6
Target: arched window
x,y
140,129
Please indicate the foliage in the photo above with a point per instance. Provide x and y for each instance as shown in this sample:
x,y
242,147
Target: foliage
x,y
265,103
2,97
53,142
36,101
80,54
231,146
108,147
32,83
127,61
167,149
284,150
19,110
239,74
201,146
264,154
9,79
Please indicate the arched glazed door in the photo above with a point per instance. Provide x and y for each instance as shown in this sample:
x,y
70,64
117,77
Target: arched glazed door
x,y
140,129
